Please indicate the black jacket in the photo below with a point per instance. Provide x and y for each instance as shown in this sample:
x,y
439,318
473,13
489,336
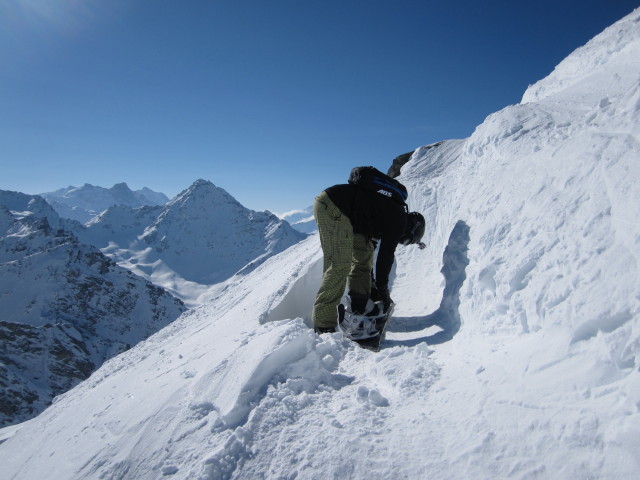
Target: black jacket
x,y
374,216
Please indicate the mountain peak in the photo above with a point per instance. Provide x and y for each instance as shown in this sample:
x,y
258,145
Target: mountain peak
x,y
122,194
120,186
201,182
201,185
206,194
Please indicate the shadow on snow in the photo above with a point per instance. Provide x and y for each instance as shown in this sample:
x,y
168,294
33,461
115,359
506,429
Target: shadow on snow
x,y
447,316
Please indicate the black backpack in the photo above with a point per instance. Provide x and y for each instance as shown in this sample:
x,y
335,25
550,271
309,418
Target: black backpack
x,y
373,179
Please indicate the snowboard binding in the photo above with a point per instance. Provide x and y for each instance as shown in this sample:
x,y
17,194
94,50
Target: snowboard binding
x,y
361,326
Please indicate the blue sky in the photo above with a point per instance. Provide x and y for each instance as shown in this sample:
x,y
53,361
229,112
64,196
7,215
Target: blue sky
x,y
272,100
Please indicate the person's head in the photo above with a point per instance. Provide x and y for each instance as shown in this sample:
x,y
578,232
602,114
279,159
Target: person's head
x,y
415,229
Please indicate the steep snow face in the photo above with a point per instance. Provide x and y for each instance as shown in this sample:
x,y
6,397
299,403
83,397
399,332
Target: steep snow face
x,y
610,60
119,225
65,309
199,239
84,203
513,352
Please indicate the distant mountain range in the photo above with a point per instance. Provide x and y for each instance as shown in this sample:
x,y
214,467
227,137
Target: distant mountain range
x,y
86,202
73,295
200,238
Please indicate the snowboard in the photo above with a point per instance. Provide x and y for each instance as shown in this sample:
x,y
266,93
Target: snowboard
x,y
370,331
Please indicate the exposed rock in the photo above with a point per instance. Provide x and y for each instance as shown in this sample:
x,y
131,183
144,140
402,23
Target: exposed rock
x,y
400,160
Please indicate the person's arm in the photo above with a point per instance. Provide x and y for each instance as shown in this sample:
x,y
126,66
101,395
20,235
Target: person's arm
x,y
394,223
384,262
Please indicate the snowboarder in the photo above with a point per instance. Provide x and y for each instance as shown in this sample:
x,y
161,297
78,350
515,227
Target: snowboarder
x,y
350,220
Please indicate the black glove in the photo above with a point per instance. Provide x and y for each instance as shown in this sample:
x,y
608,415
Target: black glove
x,y
385,298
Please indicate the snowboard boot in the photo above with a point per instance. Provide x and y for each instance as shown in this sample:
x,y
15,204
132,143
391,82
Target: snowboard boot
x,y
321,330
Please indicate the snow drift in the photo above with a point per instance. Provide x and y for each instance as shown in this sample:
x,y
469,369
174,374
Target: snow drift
x,y
513,353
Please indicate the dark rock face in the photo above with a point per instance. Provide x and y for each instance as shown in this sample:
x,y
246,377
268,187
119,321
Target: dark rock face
x,y
398,162
36,364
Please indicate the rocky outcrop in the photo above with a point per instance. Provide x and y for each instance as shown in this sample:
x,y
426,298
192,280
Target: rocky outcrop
x,y
400,160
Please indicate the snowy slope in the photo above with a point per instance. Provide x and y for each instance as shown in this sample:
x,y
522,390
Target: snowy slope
x,y
84,203
197,240
513,353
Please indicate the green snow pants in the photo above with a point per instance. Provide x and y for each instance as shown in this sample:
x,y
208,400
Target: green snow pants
x,y
347,257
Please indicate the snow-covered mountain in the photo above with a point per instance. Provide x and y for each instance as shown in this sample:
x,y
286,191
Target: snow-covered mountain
x,y
200,238
84,203
65,307
301,220
513,353
22,205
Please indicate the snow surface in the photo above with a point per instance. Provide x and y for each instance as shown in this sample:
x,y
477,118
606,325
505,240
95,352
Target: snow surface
x,y
514,352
